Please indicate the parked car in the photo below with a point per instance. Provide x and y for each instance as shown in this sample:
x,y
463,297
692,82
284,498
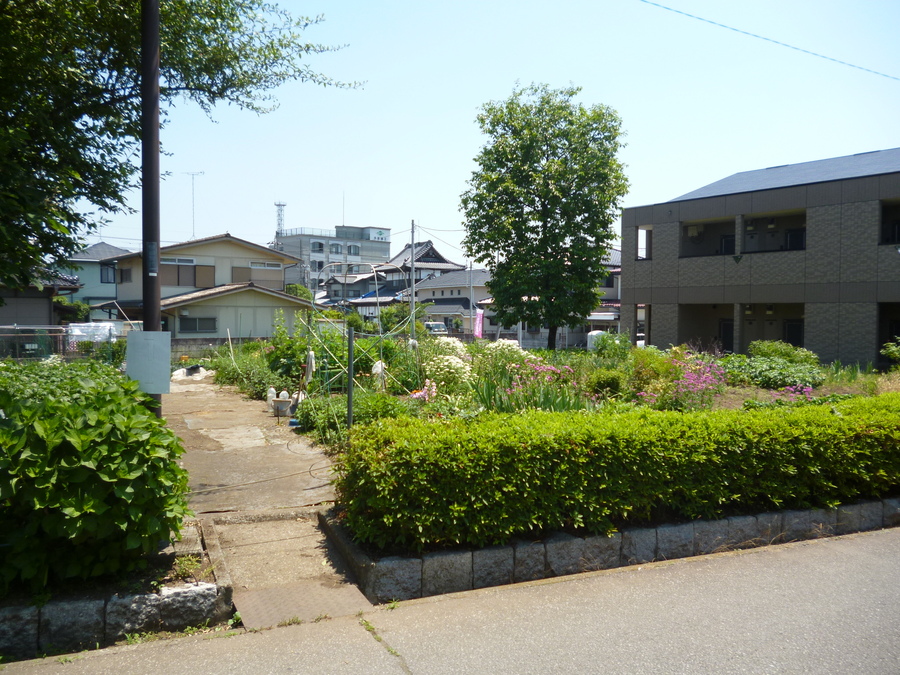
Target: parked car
x,y
436,328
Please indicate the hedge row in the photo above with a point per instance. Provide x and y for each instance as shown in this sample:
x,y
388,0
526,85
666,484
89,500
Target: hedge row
x,y
414,484
89,480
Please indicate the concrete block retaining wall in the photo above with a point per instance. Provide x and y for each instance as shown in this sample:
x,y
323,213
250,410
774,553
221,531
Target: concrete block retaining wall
x,y
403,578
72,624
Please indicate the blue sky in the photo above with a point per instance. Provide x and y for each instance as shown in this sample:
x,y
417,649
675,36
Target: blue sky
x,y
698,103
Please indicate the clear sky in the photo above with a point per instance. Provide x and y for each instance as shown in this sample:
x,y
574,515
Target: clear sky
x,y
698,102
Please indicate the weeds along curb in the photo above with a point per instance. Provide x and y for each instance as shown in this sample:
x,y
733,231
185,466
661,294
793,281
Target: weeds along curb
x,y
72,624
392,578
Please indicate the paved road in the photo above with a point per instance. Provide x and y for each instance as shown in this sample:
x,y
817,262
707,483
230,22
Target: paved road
x,y
818,607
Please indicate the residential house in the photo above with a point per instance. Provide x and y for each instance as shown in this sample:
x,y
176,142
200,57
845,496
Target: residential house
x,y
211,288
97,278
343,250
805,253
33,306
428,262
454,296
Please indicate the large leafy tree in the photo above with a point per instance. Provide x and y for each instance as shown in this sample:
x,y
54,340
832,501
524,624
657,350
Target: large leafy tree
x,y
70,103
540,206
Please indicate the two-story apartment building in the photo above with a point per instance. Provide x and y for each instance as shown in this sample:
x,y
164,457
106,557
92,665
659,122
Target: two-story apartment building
x,y
211,287
806,253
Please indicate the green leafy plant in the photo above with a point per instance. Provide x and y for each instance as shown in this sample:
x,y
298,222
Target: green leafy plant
x,y
89,478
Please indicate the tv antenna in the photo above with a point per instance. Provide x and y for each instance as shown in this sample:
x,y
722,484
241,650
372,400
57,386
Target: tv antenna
x,y
193,175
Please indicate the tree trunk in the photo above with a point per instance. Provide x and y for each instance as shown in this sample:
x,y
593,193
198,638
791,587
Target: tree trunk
x,y
551,338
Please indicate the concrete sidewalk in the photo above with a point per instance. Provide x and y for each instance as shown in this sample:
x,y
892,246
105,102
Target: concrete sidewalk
x,y
821,606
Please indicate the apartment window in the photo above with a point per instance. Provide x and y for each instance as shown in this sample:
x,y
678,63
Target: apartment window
x,y
317,265
124,275
890,223
317,247
107,274
264,265
193,324
352,249
645,242
335,248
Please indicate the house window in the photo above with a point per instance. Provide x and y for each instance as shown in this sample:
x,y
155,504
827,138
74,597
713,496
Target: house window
x,y
352,294
264,265
176,261
352,249
107,274
335,248
178,274
890,223
317,247
124,275
193,324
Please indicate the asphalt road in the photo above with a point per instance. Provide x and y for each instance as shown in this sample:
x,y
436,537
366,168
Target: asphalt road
x,y
818,607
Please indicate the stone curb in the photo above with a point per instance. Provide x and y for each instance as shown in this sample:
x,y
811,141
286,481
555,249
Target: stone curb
x,y
406,577
66,625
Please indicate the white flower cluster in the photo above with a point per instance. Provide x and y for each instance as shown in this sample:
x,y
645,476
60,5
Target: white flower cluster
x,y
450,372
506,349
450,346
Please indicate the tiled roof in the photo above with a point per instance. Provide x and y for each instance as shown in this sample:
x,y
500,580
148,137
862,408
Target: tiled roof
x,y
837,168
99,251
454,279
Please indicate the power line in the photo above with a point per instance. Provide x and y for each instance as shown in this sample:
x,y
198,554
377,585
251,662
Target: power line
x,y
446,243
762,37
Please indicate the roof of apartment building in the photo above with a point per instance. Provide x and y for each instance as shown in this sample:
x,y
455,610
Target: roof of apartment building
x,y
863,164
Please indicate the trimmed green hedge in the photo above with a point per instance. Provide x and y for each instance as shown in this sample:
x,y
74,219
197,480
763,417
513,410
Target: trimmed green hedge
x,y
414,484
89,480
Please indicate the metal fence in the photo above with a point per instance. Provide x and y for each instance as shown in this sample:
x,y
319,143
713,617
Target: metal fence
x,y
76,341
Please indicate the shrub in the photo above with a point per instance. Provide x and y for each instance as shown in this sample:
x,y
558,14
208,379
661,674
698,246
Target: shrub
x,y
891,350
414,485
776,349
770,372
325,418
607,382
89,479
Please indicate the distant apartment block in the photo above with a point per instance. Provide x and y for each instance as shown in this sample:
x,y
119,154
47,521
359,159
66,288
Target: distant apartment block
x,y
356,248
806,253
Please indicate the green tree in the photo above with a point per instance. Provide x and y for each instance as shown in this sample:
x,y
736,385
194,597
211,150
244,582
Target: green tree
x,y
70,103
540,207
299,290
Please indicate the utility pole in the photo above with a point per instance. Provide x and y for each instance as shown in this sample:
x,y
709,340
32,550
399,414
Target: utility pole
x,y
471,304
193,174
412,281
150,283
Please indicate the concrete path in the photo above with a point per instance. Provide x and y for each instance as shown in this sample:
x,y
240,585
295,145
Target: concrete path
x,y
254,482
826,606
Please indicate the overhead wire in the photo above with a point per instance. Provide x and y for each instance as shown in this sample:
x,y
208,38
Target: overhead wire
x,y
767,39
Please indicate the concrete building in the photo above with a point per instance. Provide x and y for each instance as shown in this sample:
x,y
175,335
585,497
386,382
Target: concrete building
x,y
806,253
356,248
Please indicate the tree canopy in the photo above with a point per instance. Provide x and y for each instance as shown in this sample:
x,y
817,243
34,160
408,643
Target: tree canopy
x,y
540,206
70,106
